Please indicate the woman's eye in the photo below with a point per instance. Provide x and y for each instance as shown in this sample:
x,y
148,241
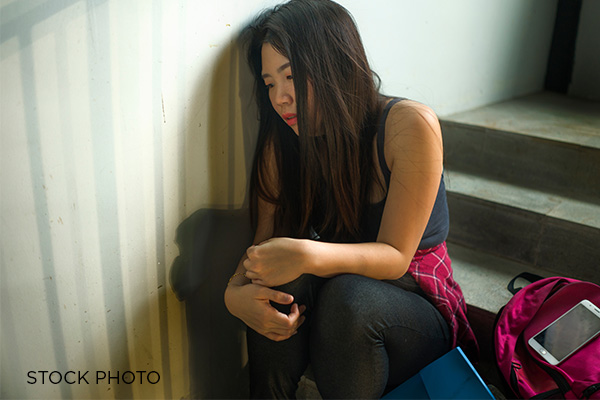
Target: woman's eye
x,y
269,85
290,77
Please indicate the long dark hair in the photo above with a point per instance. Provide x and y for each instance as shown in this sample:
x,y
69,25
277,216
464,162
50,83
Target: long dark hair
x,y
328,169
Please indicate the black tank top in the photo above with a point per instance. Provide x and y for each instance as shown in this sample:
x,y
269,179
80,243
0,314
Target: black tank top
x,y
437,227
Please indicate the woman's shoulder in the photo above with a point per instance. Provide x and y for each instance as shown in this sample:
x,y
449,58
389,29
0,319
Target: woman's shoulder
x,y
410,111
411,125
408,116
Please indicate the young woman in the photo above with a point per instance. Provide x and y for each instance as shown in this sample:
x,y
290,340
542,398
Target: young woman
x,y
349,270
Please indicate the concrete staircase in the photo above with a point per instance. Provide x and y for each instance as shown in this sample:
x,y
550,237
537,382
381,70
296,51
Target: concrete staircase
x,y
523,181
523,186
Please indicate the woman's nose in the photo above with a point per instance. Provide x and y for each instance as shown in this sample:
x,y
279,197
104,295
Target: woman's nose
x,y
283,95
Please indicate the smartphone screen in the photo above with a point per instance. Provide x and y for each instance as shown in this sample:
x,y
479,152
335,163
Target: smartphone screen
x,y
569,332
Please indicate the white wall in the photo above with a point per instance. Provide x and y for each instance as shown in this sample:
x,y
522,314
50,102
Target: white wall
x,y
585,81
119,119
459,54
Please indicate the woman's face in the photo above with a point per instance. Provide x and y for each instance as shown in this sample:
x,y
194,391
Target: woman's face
x,y
277,75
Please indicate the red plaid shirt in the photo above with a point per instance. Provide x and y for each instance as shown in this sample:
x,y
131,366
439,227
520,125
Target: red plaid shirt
x,y
432,270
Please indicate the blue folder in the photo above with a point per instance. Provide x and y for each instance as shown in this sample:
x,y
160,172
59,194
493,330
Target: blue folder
x,y
451,376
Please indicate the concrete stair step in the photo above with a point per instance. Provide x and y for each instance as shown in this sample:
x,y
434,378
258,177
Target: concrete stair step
x,y
542,241
543,115
553,205
483,277
523,181
545,141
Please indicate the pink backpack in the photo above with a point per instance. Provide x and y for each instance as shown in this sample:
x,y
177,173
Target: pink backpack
x,y
529,311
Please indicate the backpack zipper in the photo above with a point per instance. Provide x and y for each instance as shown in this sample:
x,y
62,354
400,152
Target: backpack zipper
x,y
514,381
515,384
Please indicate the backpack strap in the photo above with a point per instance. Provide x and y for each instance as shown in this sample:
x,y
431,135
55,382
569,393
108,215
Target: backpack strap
x,y
587,393
523,275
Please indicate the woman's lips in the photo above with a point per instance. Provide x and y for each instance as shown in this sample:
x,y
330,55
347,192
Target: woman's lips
x,y
290,119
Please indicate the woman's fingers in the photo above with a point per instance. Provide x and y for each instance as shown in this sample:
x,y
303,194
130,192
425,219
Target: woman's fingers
x,y
250,265
283,332
301,308
247,264
276,296
278,338
292,321
270,322
286,325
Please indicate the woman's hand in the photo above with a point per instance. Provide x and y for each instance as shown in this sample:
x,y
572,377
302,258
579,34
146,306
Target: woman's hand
x,y
250,303
277,261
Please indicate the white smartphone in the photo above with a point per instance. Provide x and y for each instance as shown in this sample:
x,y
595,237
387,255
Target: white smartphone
x,y
567,333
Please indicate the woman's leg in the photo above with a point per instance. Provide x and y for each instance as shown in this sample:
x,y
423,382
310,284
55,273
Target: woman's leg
x,y
368,335
276,367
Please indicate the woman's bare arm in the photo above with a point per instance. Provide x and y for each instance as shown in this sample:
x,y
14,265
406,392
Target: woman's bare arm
x,y
413,150
250,302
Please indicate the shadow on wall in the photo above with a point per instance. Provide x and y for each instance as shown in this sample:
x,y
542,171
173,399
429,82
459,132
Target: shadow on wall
x,y
211,241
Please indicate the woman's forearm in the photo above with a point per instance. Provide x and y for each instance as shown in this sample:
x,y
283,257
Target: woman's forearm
x,y
375,260
281,260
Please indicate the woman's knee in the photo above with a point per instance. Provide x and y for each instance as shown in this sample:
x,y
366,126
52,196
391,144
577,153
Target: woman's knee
x,y
344,303
337,295
356,305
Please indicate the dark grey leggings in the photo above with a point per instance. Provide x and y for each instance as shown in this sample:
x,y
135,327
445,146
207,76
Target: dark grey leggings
x,y
362,337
